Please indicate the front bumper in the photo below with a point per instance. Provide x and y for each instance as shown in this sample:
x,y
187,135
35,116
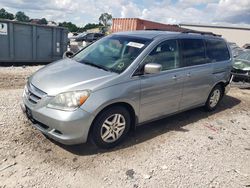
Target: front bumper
x,y
240,75
63,126
244,76
228,85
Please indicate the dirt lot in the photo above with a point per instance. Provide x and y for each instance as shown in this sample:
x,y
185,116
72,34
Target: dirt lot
x,y
192,149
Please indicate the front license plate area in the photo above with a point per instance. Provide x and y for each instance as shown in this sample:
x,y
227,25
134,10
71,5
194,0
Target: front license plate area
x,y
29,114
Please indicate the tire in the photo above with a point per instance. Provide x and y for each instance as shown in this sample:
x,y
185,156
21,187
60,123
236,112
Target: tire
x,y
110,127
214,98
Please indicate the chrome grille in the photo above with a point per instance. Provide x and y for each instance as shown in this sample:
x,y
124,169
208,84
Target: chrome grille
x,y
239,71
33,98
33,94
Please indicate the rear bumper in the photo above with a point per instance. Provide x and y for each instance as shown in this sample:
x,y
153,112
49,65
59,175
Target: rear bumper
x,y
65,127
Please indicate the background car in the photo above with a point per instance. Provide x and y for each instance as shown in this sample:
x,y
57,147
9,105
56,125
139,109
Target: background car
x,y
236,50
247,46
241,67
82,40
72,35
89,37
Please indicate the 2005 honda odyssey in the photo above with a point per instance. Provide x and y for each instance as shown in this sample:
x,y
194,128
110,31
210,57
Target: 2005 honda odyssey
x,y
124,80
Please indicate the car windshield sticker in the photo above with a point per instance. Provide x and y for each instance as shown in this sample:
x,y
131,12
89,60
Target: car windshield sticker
x,y
120,65
135,44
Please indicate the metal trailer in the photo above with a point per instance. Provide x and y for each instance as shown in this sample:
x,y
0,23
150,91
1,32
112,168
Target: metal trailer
x,y
26,42
131,24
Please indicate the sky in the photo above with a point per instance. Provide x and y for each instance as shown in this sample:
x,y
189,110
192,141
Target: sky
x,y
82,12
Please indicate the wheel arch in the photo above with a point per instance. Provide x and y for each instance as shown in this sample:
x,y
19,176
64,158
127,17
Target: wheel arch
x,y
126,105
223,84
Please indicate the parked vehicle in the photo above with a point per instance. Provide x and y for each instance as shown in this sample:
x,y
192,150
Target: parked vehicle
x,y
126,79
89,37
236,50
82,40
247,46
241,67
75,46
73,35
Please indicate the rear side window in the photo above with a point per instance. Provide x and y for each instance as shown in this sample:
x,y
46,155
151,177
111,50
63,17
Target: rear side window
x,y
193,52
217,50
90,36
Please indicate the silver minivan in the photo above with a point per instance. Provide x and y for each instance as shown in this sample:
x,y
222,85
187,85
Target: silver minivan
x,y
124,80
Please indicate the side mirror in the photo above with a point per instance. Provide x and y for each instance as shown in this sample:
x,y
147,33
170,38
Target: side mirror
x,y
68,54
152,68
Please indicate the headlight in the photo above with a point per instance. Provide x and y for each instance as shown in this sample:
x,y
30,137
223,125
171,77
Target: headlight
x,y
69,101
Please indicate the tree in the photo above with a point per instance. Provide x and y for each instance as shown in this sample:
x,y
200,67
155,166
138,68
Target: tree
x,y
105,18
6,15
43,21
92,26
71,27
81,29
21,17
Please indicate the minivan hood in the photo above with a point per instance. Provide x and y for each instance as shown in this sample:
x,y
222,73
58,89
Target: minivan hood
x,y
69,75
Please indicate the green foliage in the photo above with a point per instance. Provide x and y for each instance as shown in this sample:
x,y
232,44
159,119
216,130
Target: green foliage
x,y
92,26
105,18
104,21
81,29
21,17
71,27
43,21
87,27
6,15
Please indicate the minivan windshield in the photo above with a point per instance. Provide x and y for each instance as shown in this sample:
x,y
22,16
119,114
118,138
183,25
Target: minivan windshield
x,y
114,53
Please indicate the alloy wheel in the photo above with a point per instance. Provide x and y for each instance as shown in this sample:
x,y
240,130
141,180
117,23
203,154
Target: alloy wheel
x,y
215,97
112,128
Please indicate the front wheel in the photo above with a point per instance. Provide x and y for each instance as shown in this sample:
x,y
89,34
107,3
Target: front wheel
x,y
214,98
111,127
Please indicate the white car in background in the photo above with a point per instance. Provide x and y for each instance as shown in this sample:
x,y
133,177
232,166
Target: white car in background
x,y
82,40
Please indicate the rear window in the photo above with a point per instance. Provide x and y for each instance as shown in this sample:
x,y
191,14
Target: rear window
x,y
193,52
217,50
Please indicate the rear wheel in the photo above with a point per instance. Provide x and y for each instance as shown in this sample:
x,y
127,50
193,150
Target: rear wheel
x,y
214,98
111,127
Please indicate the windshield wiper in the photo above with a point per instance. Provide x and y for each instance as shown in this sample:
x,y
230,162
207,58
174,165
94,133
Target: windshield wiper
x,y
96,65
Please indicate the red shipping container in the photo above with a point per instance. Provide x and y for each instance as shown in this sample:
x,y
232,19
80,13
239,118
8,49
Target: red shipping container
x,y
131,24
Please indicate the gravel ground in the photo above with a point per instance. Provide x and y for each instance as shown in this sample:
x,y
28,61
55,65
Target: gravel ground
x,y
192,149
14,77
